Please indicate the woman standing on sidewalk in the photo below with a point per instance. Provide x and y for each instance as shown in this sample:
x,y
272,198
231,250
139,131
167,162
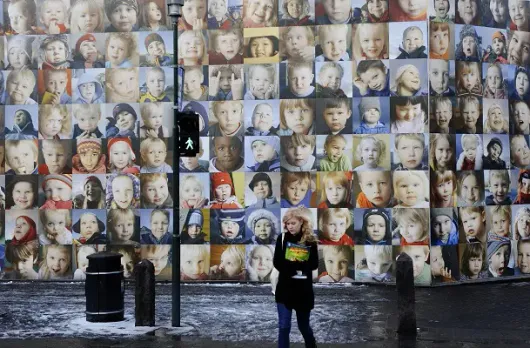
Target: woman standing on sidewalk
x,y
295,292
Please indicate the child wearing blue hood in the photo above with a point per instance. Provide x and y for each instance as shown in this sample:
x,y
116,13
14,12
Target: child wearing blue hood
x,y
521,85
499,252
266,153
89,90
230,226
444,230
296,190
375,228
123,123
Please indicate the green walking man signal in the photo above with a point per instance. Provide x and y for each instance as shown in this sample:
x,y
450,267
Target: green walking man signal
x,y
188,127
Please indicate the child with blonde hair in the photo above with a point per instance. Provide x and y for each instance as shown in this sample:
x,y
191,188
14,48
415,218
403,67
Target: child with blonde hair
x,y
19,87
21,157
260,13
229,116
260,263
297,44
153,117
494,85
471,156
54,17
376,266
58,191
87,117
120,50
335,191
337,261
499,186
159,233
443,114
473,223
495,121
194,262
411,189
521,226
412,44
261,82
192,48
232,265
296,116
86,17
410,149
334,43
155,191
154,153
468,79
370,152
501,220
57,88
56,263
56,154
441,152
121,156
336,159
376,190
154,89
420,257
443,189
300,78
333,224
371,41
22,17
407,82
262,121
295,12
470,189
122,191
54,52
122,85
56,227
412,226
296,190
191,193
54,121
82,260
329,81
226,47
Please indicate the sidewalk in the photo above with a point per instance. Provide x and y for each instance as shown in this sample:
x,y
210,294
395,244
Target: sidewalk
x,y
487,315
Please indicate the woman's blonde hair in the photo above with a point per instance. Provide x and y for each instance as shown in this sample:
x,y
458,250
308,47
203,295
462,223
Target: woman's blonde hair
x,y
305,216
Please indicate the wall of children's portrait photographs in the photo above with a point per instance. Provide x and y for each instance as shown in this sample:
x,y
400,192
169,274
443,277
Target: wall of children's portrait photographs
x,y
382,126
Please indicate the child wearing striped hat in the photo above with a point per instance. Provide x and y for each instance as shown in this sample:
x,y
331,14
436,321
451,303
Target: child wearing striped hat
x,y
58,190
156,51
121,156
89,158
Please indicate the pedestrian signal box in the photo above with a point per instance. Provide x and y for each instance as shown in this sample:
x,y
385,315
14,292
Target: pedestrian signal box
x,y
188,133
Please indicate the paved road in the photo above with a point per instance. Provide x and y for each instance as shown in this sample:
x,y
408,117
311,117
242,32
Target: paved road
x,y
487,315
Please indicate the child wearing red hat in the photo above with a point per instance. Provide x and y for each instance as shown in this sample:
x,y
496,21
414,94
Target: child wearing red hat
x,y
58,190
25,230
121,156
223,192
86,53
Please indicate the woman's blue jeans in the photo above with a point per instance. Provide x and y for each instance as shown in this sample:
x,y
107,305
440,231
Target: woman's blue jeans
x,y
284,319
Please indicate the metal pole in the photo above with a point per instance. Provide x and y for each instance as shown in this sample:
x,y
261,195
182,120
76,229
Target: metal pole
x,y
174,7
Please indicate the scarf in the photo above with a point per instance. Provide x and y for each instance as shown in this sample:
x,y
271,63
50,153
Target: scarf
x,y
29,236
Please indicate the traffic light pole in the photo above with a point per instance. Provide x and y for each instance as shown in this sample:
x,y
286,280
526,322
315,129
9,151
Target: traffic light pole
x,y
174,11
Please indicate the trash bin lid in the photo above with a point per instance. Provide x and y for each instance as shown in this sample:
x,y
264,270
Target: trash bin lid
x,y
104,261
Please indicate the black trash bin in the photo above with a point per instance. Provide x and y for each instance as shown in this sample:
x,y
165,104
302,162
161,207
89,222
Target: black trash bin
x,y
104,287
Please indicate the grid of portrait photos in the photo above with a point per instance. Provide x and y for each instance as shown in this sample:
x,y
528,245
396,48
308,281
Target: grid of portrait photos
x,y
86,94
346,118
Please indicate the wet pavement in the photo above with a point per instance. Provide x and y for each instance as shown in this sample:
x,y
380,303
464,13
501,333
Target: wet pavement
x,y
486,315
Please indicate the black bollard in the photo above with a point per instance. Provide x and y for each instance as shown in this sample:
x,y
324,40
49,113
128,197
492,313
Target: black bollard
x,y
144,312
406,296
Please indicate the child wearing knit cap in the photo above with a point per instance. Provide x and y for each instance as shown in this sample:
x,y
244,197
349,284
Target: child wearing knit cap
x,y
375,228
407,82
86,16
58,191
56,154
123,191
155,191
499,255
86,53
120,50
156,51
223,192
469,49
264,226
123,123
370,111
22,156
192,231
154,152
159,233
87,117
121,156
497,51
19,53
89,229
57,263
93,196
89,157
444,227
54,52
266,153
122,14
261,187
154,89
21,192
230,227
25,231
56,226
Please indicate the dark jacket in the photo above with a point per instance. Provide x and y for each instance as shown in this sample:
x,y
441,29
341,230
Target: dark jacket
x,y
417,53
295,293
78,131
488,163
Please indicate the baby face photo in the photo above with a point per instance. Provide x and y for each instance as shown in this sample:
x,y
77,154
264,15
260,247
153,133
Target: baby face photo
x,y
193,48
374,263
411,189
194,190
336,264
333,79
19,53
261,45
122,155
227,190
124,120
89,226
88,121
156,120
469,150
370,41
121,85
226,154
54,86
409,151
335,226
299,80
226,119
156,188
409,77
262,153
21,156
55,156
408,40
88,50
226,46
263,225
